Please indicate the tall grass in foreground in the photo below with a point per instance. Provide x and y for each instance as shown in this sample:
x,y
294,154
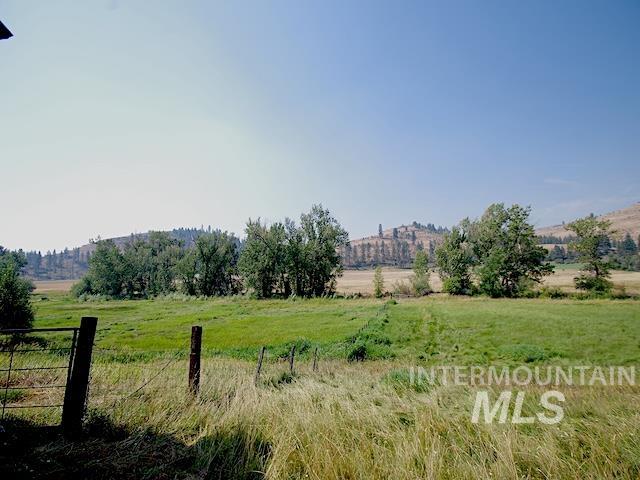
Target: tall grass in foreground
x,y
348,421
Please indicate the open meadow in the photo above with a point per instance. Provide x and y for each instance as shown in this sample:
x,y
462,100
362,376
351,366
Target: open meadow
x,y
357,420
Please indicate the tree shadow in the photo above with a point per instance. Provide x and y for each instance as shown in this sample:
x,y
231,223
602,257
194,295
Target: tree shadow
x,y
108,451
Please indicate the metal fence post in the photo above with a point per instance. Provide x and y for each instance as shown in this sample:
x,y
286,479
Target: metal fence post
x,y
194,359
75,395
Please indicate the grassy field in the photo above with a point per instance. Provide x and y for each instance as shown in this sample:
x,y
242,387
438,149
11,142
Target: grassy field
x,y
354,420
436,328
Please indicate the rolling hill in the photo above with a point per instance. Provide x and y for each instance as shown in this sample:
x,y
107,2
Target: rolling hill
x,y
626,220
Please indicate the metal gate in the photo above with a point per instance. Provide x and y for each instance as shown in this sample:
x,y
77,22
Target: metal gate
x,y
66,366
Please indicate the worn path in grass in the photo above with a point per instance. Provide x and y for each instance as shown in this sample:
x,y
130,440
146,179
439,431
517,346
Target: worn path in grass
x,y
436,329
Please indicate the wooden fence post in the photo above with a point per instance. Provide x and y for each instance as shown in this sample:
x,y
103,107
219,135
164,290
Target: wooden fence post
x,y
315,360
194,359
291,357
259,366
76,391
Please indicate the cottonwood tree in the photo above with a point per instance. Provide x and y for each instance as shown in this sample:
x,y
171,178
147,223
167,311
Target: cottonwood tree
x,y
106,274
506,250
454,260
322,236
591,235
286,259
216,258
262,263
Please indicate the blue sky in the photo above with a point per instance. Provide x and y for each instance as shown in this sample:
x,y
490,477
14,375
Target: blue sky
x,y
125,116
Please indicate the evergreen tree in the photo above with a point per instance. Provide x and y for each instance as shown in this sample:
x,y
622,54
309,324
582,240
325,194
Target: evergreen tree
x,y
628,246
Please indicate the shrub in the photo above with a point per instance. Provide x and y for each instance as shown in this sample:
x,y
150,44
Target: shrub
x,y
402,288
357,353
591,283
15,298
552,292
456,286
420,285
82,287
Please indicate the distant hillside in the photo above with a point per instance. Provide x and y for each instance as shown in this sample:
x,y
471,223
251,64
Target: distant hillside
x,y
622,221
394,246
72,264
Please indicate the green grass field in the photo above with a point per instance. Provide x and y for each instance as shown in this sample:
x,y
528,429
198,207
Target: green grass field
x,y
349,420
435,329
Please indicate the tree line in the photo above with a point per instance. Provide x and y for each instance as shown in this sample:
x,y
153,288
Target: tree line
x,y
280,259
621,253
499,255
71,264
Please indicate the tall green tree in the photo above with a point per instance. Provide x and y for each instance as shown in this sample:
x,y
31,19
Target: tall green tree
x,y
216,257
628,246
262,263
506,250
322,235
591,235
454,260
107,270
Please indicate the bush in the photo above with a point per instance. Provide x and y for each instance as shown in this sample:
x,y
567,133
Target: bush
x,y
420,285
15,298
552,292
402,288
593,284
82,288
357,353
456,286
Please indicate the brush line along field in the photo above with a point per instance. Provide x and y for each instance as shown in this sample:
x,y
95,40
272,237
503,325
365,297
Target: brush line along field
x,y
354,420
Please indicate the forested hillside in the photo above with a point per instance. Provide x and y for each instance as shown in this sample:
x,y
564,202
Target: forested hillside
x,y
72,264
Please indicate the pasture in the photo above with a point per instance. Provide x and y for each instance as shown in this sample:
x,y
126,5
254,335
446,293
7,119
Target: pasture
x,y
357,420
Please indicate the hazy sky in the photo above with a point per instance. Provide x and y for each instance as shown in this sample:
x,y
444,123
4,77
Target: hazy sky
x,y
125,116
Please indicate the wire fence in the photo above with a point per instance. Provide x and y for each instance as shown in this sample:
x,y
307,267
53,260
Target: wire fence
x,y
35,370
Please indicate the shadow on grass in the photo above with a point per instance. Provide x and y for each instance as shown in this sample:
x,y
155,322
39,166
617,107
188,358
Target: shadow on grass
x,y
110,452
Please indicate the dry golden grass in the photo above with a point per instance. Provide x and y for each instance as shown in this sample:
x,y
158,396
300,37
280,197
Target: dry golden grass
x,y
361,281
348,421
626,220
43,286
